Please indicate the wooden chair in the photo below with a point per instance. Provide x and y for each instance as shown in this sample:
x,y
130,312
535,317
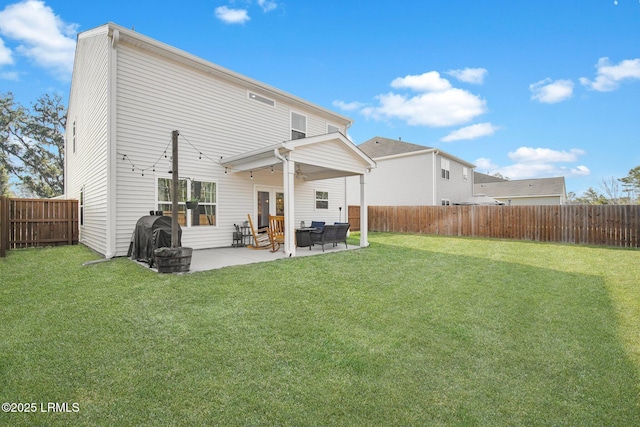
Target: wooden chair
x,y
261,239
276,231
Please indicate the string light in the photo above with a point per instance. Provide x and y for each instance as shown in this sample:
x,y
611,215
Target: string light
x,y
251,174
164,154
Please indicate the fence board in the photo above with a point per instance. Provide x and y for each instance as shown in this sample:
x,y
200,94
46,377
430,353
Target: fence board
x,y
608,225
37,222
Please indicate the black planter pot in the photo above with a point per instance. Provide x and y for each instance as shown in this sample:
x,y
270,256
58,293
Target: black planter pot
x,y
192,205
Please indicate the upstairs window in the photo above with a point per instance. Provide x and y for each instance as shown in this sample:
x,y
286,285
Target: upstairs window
x,y
298,126
332,128
445,167
465,173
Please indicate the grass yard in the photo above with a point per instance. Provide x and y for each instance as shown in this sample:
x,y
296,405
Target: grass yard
x,y
415,330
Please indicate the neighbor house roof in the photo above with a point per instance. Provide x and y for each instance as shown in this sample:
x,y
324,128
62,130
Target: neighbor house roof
x,y
522,187
379,148
481,178
383,147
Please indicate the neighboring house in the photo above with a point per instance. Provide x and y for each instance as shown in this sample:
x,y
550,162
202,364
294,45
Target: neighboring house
x,y
413,175
539,191
244,147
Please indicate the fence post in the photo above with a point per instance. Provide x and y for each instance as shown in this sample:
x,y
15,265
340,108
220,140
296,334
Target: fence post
x,y
4,226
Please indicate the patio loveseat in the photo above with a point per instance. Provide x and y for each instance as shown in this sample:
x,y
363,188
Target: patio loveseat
x,y
336,233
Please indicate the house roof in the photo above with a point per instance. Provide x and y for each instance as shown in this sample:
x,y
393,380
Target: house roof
x,y
382,147
522,187
379,148
481,178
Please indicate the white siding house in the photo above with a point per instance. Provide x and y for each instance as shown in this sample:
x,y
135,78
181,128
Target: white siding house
x,y
244,147
413,175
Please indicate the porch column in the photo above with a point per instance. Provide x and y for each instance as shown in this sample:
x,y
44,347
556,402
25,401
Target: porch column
x,y
364,220
288,174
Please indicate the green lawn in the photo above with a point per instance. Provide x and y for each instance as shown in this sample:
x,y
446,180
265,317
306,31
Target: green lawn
x,y
415,330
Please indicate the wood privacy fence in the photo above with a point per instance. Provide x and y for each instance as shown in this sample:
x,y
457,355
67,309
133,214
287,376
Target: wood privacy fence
x,y
605,225
37,222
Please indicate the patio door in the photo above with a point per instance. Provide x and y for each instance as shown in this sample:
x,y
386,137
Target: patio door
x,y
269,201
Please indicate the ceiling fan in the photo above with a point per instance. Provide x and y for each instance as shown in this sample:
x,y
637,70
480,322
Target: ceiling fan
x,y
299,173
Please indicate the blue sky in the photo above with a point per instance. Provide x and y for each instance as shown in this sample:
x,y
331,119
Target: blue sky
x,y
526,89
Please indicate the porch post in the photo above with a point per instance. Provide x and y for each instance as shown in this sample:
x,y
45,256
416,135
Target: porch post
x,y
288,172
364,220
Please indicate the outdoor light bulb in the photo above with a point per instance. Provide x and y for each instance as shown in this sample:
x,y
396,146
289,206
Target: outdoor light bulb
x,y
251,174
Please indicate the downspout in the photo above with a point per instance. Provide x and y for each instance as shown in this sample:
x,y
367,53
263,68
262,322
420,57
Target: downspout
x,y
435,176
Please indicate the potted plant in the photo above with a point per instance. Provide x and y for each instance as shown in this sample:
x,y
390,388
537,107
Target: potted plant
x,y
173,260
193,203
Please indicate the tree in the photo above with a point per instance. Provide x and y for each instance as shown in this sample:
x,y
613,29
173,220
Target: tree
x,y
4,182
611,190
631,184
32,144
592,197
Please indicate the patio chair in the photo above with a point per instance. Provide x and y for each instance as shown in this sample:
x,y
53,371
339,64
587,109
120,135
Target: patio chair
x,y
261,239
276,231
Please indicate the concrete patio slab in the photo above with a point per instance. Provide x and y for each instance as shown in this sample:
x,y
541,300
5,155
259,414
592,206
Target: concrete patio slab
x,y
212,259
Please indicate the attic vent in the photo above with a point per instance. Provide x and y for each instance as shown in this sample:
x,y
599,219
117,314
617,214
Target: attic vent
x,y
262,99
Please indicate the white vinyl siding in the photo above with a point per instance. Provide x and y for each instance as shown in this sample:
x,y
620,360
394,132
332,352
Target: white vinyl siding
x,y
86,168
403,181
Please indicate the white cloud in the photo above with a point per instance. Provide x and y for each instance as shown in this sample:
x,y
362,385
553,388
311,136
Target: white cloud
x,y
471,132
469,75
547,155
232,16
437,103
536,163
485,164
427,82
550,92
267,6
6,56
42,35
580,171
10,75
609,77
348,106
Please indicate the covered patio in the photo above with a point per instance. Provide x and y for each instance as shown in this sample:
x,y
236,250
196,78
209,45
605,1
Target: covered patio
x,y
312,158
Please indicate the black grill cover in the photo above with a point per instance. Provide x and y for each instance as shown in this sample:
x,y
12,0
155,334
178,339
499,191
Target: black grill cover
x,y
151,232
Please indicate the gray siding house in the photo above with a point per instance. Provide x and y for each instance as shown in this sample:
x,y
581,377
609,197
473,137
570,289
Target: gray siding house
x,y
413,175
539,191
245,147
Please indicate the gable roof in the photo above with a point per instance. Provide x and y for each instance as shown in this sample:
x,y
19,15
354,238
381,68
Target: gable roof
x,y
522,187
481,178
382,147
